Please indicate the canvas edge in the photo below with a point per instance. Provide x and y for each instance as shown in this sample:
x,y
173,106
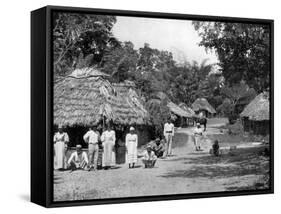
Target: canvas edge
x,y
49,188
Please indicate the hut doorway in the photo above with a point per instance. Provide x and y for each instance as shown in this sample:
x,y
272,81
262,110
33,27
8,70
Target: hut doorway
x,y
120,149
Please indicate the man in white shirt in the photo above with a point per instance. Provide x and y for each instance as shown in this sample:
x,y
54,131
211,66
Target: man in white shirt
x,y
78,159
92,137
168,134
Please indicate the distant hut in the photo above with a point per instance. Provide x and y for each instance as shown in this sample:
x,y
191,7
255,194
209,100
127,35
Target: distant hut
x,y
202,105
86,97
178,114
190,120
255,116
181,116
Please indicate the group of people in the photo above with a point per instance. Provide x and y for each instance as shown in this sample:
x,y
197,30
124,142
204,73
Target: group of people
x,y
101,149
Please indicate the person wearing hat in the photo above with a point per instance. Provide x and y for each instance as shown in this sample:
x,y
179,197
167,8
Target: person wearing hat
x,y
61,140
131,144
169,134
149,158
108,139
92,138
158,147
78,159
198,132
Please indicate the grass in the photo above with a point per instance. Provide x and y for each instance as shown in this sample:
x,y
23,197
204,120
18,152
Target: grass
x,y
235,135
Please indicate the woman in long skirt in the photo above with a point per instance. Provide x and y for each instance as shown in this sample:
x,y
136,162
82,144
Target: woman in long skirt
x,y
131,147
198,137
60,139
108,142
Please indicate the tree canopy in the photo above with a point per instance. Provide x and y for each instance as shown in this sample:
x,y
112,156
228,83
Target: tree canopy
x,y
77,35
243,51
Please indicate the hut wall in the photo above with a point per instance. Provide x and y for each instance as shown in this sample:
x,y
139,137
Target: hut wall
x,y
256,127
178,122
260,127
246,124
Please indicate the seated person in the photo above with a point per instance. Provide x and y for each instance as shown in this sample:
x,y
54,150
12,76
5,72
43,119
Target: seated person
x,y
78,159
216,148
149,158
158,147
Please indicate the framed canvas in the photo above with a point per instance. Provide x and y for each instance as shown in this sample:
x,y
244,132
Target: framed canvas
x,y
134,106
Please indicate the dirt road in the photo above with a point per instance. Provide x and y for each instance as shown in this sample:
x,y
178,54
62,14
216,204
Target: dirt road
x,y
186,171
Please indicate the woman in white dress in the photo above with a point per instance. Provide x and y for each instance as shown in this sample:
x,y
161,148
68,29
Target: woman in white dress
x,y
108,141
198,132
60,139
131,147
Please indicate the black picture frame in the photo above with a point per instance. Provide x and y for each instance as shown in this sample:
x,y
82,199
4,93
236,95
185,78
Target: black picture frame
x,y
42,105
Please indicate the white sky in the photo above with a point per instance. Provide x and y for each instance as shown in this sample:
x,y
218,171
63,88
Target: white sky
x,y
177,36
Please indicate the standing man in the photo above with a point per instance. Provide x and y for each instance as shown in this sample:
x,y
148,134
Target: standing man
x,y
92,137
169,133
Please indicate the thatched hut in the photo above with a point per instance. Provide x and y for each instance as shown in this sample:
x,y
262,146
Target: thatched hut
x,y
202,105
86,97
178,114
190,119
255,116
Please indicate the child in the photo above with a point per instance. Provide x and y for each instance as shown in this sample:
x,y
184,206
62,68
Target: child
x,y
216,148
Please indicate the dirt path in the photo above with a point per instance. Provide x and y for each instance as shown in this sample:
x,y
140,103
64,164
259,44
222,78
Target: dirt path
x,y
186,171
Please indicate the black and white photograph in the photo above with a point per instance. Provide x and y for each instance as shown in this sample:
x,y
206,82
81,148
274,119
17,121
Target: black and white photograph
x,y
147,106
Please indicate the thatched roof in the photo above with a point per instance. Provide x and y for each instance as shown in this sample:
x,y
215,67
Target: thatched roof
x,y
178,110
85,100
258,108
87,72
187,109
174,108
203,104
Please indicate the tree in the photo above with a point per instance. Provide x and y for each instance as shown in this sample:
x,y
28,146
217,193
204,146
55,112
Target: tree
x,y
242,49
120,62
236,98
76,34
159,114
237,92
193,81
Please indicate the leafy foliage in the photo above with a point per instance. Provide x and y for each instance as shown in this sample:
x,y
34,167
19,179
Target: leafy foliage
x,y
243,51
120,62
159,114
77,35
236,98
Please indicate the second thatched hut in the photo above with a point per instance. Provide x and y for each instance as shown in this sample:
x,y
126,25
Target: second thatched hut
x,y
202,105
256,116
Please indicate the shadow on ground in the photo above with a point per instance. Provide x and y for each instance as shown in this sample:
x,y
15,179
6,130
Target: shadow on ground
x,y
180,139
57,179
239,163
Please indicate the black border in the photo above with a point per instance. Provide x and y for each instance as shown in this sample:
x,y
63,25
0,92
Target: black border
x,y
49,104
